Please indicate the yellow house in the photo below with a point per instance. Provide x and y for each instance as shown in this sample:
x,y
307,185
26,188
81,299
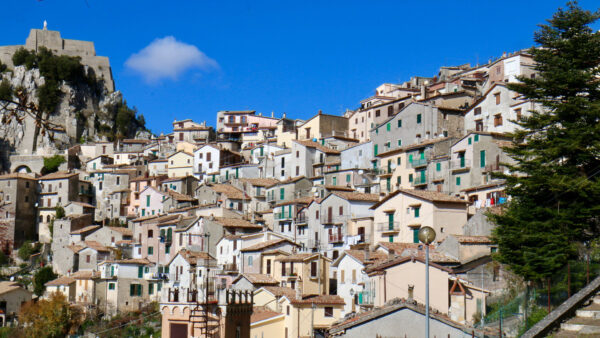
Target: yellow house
x,y
404,277
186,147
298,311
266,323
321,126
399,216
305,314
310,270
180,164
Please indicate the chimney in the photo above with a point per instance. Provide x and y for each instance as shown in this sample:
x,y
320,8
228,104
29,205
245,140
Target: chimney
x,y
391,254
423,92
299,289
320,112
367,254
272,114
283,116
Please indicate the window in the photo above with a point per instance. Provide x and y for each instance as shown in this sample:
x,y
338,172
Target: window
x,y
399,143
469,140
150,233
417,212
438,167
482,159
497,120
410,177
317,214
135,290
348,177
457,181
87,258
398,180
497,96
335,181
281,193
390,110
150,288
148,200
150,250
313,269
375,150
389,126
477,111
476,138
399,123
250,260
518,113
287,310
418,118
416,235
328,311
377,113
341,211
111,286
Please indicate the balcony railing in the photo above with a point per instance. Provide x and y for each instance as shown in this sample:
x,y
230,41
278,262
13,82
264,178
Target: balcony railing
x,y
336,238
288,272
493,167
388,226
230,267
365,298
419,180
419,162
301,219
460,163
187,295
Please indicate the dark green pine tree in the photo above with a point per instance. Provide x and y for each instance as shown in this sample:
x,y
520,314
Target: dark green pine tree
x,y
555,186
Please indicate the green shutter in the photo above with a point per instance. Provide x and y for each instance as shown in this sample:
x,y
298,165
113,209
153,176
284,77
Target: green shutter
x,y
469,139
348,178
422,153
462,160
112,270
150,288
399,143
399,123
150,250
410,177
410,158
399,180
141,271
399,160
111,286
131,289
139,291
391,221
438,166
143,212
281,193
388,184
391,238
335,181
389,126
476,138
237,171
457,181
226,175
418,118
262,151
417,212
482,158
290,211
375,149
148,200
158,286
415,235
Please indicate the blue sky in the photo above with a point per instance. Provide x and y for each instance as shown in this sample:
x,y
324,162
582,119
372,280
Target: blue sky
x,y
294,57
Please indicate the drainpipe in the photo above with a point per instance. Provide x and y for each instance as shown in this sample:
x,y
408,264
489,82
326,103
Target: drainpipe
x,y
384,287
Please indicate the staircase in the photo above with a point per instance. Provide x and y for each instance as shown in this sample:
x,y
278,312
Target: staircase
x,y
586,322
203,320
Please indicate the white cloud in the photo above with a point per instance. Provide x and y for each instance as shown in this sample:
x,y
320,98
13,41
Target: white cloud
x,y
168,58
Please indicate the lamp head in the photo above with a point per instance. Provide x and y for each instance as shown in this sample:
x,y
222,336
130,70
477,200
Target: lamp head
x,y
426,235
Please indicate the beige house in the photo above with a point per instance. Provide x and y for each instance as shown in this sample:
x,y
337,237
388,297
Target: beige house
x,y
307,271
180,164
266,323
404,277
12,297
399,216
321,126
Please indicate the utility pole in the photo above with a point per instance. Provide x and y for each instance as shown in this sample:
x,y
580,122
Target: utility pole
x,y
312,322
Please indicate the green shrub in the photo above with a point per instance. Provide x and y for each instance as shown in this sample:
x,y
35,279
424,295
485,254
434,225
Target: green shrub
x,y
60,211
6,92
24,57
51,164
26,250
41,277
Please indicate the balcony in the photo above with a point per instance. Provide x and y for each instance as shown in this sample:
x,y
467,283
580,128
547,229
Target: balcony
x,y
330,220
301,219
460,164
285,216
336,238
230,267
288,272
271,198
494,167
388,227
419,162
365,298
419,180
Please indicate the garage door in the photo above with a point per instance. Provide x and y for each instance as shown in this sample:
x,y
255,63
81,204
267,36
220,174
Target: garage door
x,y
179,331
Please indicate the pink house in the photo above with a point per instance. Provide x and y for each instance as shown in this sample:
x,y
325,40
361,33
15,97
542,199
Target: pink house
x,y
136,186
151,202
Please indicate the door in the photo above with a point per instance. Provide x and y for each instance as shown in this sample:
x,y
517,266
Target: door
x,y
391,221
361,234
330,215
179,330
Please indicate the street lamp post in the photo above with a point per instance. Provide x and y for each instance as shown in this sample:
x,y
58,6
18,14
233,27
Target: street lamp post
x,y
426,236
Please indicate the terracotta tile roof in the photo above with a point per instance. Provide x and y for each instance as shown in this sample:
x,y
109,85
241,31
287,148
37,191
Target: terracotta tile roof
x,y
236,223
144,218
82,204
374,257
135,141
179,197
299,200
168,220
431,196
143,261
266,244
6,286
17,175
85,275
88,228
58,175
417,250
75,248
186,222
473,239
288,181
258,278
228,190
318,146
357,196
124,231
96,246
175,179
64,280
260,182
172,211
485,186
338,188
279,291
320,299
297,257
259,314
192,257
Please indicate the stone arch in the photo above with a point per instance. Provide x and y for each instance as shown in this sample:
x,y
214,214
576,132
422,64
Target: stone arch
x,y
23,169
186,311
175,310
164,310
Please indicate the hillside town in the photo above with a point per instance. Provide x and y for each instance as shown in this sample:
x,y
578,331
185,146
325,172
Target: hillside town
x,y
265,225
